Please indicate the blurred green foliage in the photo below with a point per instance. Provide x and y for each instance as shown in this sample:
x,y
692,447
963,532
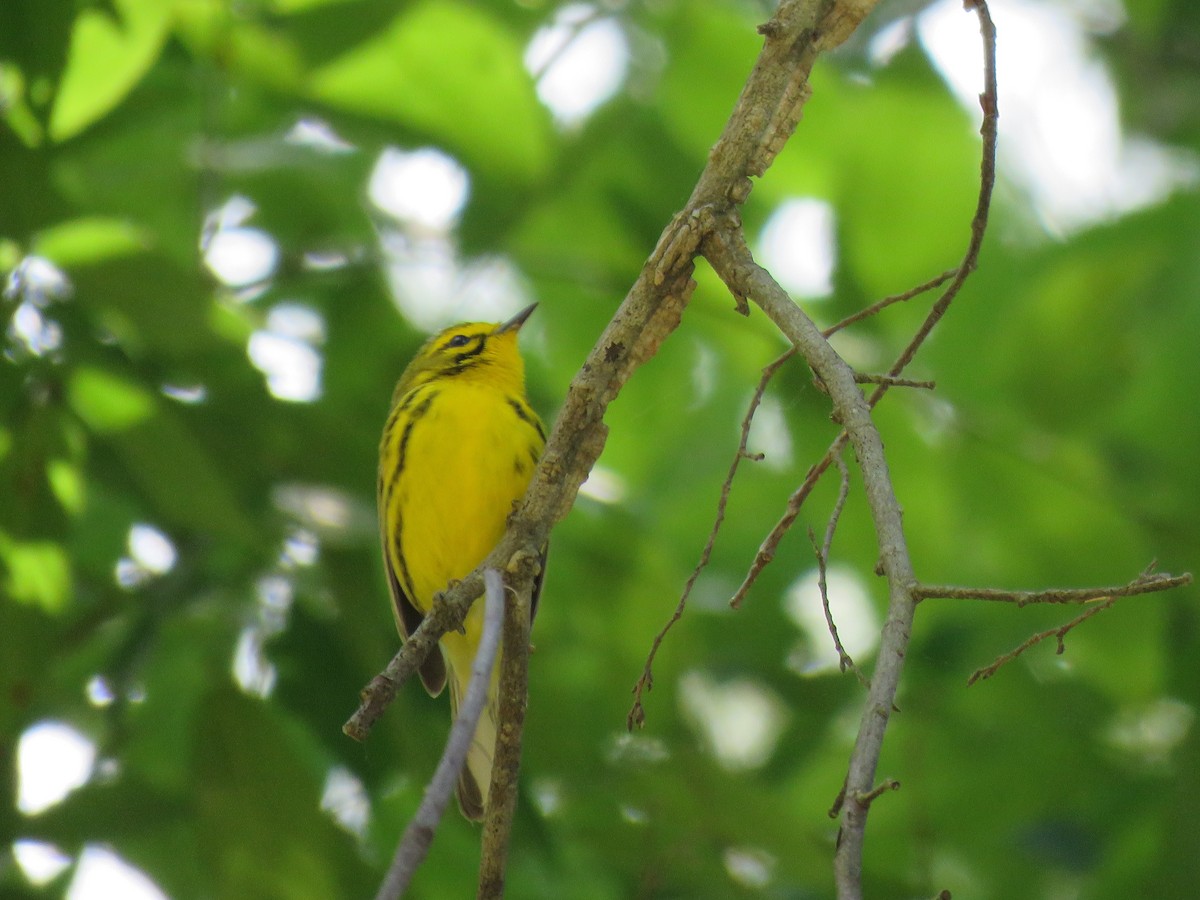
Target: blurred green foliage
x,y
1058,449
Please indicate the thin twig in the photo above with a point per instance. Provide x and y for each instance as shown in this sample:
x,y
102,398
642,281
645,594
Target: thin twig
x,y
1060,633
893,381
888,784
418,836
637,714
822,551
506,761
990,104
770,545
381,690
936,281
1145,583
566,37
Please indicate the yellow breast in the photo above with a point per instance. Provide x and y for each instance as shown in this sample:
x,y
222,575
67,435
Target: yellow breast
x,y
467,457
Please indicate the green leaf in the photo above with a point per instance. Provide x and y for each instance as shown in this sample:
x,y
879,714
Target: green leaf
x,y
89,239
107,402
38,572
68,485
108,56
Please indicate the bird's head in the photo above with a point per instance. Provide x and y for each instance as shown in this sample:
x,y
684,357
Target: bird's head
x,y
473,351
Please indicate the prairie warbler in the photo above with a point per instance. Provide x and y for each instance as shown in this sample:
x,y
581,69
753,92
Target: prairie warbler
x,y
460,445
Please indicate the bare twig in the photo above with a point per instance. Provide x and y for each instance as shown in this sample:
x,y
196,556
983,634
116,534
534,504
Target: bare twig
x,y
381,690
864,759
893,381
770,545
822,551
878,306
888,784
733,263
990,104
567,36
418,836
506,763
637,714
1060,633
1146,583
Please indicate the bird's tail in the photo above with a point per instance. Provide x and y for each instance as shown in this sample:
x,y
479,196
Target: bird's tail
x,y
476,776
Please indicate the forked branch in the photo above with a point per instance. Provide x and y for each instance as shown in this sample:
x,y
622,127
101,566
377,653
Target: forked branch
x,y
1102,597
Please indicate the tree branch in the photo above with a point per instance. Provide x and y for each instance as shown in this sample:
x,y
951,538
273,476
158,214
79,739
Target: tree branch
x,y
1060,633
1146,583
731,259
506,762
418,836
989,101
880,305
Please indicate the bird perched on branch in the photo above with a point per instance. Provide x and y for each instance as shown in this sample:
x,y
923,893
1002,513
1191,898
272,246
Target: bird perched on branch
x,y
458,450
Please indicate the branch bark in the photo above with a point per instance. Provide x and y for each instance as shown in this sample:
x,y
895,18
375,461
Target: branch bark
x,y
729,255
506,763
1146,583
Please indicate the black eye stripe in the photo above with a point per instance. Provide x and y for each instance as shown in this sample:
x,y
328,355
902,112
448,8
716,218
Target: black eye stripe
x,y
474,344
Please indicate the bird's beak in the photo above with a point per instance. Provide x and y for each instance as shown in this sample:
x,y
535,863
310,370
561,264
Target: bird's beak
x,y
516,321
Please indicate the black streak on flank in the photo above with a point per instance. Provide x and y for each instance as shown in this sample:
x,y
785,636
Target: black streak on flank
x,y
526,415
417,413
389,480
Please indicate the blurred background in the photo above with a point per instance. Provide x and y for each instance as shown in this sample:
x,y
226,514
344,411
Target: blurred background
x,y
226,226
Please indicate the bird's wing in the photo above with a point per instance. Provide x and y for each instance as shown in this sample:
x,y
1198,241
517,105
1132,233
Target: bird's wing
x,y
408,618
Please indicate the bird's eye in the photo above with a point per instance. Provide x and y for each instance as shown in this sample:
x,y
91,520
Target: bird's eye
x,y
459,340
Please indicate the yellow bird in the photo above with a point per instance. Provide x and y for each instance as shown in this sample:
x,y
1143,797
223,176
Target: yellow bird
x,y
460,445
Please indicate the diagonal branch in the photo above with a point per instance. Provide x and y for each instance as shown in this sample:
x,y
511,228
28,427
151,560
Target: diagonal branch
x,y
880,305
1060,633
